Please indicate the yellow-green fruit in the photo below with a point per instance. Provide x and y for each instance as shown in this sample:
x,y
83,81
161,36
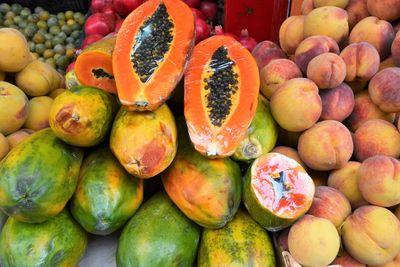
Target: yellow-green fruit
x,y
2,75
53,94
313,241
14,50
15,138
4,147
337,3
71,80
37,79
38,115
13,108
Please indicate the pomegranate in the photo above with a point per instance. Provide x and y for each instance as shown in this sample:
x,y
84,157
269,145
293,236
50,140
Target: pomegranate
x,y
90,39
197,13
218,30
99,23
118,25
209,9
70,67
202,30
124,7
110,11
246,40
192,3
98,5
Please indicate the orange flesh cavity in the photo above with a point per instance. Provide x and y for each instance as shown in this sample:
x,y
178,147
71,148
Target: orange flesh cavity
x,y
152,93
281,185
208,139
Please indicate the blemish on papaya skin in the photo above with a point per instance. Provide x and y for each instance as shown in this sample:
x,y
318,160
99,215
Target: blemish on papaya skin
x,y
153,155
68,120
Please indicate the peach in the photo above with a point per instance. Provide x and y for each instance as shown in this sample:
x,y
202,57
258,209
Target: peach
x,y
288,138
384,89
291,153
387,63
394,263
378,33
346,260
288,105
325,146
356,11
329,203
371,235
15,138
291,33
266,51
357,86
313,241
337,103
275,73
307,6
395,48
337,3
376,137
312,47
38,114
379,180
327,70
388,10
345,180
4,147
329,21
362,61
364,110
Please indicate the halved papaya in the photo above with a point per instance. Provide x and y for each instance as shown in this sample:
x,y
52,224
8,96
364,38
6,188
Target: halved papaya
x,y
151,52
277,191
221,88
93,66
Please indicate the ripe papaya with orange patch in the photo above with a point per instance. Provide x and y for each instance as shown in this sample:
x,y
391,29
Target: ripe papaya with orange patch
x,y
151,52
93,66
221,93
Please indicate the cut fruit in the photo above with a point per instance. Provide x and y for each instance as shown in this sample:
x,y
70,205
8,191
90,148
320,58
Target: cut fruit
x,y
151,52
277,191
93,66
221,94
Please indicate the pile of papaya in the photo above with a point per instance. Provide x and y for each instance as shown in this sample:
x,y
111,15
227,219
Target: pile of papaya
x,y
210,153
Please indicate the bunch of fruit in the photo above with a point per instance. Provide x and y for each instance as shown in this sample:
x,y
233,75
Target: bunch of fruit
x,y
32,78
313,156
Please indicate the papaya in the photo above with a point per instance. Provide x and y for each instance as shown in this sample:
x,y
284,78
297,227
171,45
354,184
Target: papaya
x,y
208,191
93,66
151,51
221,89
158,235
145,143
82,116
71,80
4,146
59,242
261,136
38,177
242,242
17,137
3,218
277,191
106,195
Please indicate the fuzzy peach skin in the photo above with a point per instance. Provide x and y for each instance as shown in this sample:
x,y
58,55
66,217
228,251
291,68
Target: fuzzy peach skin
x,y
296,106
331,204
384,89
311,47
329,21
345,180
291,153
291,33
327,70
347,261
379,180
364,110
276,73
337,3
384,9
378,33
356,11
387,63
337,103
362,61
17,137
394,263
371,235
266,51
326,146
395,48
376,137
307,6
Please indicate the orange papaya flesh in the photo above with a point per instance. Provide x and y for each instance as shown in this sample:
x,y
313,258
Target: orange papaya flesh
x,y
151,52
221,95
93,66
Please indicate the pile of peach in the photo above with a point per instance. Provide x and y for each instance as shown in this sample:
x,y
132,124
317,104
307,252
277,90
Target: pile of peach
x,y
334,90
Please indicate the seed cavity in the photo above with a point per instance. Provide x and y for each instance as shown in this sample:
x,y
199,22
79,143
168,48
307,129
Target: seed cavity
x,y
153,41
221,86
100,73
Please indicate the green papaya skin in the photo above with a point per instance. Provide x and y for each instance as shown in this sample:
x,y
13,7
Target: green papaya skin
x,y
38,177
106,196
58,242
158,235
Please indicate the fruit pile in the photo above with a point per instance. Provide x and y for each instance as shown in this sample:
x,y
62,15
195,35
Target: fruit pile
x,y
213,154
52,38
